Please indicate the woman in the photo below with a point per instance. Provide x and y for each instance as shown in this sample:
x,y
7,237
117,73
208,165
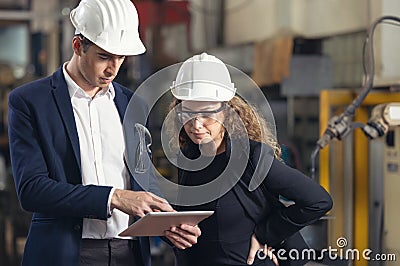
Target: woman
x,y
208,120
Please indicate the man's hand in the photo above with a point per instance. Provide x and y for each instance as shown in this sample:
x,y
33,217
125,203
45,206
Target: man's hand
x,y
138,203
183,236
256,248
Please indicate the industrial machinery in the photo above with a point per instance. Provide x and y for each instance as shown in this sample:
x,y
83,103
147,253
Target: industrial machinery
x,y
365,196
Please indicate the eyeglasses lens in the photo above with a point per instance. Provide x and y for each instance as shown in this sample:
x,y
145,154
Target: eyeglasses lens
x,y
205,119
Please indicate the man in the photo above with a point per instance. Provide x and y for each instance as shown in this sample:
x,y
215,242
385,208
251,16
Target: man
x,y
67,146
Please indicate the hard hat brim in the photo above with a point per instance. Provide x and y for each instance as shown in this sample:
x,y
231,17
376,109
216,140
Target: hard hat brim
x,y
203,91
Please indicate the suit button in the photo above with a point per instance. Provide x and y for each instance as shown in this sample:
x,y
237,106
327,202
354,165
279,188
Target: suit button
x,y
77,227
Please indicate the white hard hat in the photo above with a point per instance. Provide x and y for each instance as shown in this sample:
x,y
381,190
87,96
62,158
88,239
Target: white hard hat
x,y
110,24
203,78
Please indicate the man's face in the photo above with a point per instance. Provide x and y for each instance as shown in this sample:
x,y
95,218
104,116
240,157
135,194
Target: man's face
x,y
98,68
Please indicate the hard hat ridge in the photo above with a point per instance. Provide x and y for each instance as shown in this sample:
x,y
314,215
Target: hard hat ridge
x,y
203,78
110,24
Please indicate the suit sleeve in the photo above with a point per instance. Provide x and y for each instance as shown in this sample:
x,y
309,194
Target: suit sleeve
x,y
37,189
311,202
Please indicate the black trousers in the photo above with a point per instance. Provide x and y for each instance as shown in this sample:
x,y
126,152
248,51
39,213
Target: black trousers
x,y
110,252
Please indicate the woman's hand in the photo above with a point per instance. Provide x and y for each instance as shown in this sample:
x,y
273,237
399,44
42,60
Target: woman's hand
x,y
183,236
256,248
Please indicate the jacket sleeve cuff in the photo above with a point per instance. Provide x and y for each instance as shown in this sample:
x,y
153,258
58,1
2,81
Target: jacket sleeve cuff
x,y
109,210
275,229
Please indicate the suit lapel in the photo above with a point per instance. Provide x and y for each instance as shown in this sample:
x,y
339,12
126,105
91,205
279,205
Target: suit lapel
x,y
63,101
64,105
121,101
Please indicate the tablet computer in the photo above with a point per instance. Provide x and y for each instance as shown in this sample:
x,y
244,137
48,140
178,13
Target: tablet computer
x,y
155,223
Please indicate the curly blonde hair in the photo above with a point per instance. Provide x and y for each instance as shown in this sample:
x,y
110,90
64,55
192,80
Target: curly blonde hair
x,y
255,127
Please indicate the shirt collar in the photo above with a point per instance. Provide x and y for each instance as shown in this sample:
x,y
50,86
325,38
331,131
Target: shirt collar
x,y
75,90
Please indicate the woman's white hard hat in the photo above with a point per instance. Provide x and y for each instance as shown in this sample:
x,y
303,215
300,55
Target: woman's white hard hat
x,y
203,78
110,24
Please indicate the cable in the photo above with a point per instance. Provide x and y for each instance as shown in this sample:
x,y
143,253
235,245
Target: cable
x,y
363,52
340,126
313,159
363,61
350,110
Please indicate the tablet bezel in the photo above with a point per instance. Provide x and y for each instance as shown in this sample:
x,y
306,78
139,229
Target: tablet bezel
x,y
156,223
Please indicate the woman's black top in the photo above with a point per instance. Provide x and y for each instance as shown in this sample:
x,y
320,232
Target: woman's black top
x,y
226,235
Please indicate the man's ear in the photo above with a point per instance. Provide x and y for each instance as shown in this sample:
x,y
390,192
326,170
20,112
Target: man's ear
x,y
76,45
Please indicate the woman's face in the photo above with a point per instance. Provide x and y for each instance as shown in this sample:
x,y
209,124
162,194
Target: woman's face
x,y
202,122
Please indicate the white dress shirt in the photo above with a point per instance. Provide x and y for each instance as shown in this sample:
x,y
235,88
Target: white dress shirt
x,y
102,148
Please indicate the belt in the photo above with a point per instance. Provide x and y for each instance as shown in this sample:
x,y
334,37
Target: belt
x,y
103,243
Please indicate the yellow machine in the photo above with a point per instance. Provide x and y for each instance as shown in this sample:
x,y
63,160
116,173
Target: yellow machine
x,y
391,188
360,173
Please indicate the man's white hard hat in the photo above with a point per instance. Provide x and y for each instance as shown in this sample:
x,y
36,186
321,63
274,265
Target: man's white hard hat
x,y
110,24
203,78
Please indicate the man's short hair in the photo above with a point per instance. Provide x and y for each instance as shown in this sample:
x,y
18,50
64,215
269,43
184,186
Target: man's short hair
x,y
86,43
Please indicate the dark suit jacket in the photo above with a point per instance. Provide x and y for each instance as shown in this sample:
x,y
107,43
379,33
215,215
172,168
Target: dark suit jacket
x,y
45,159
275,224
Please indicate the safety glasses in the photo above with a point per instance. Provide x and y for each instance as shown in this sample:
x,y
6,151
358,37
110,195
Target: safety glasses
x,y
206,118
